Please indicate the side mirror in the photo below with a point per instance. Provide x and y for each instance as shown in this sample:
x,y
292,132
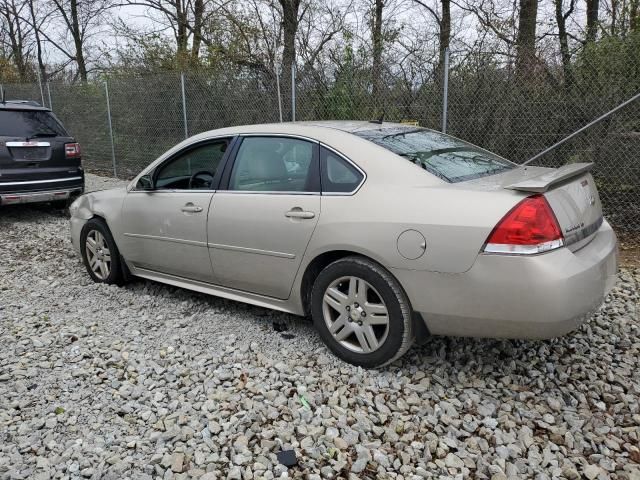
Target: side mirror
x,y
145,182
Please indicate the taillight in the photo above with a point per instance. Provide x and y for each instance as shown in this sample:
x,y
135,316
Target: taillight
x,y
530,227
72,150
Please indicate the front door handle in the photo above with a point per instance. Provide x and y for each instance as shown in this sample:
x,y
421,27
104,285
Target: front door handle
x,y
191,208
297,212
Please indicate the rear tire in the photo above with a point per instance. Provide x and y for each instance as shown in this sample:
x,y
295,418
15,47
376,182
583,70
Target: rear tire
x,y
100,254
361,312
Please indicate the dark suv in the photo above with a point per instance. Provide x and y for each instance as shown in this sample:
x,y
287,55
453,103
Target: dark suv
x,y
39,160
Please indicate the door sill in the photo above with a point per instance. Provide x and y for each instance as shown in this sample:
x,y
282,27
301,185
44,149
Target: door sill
x,y
215,290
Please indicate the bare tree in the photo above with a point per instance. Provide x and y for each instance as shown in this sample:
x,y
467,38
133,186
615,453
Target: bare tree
x,y
18,35
36,24
81,19
443,19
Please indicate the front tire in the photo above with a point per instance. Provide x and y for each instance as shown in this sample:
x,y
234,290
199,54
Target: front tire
x,y
361,312
100,254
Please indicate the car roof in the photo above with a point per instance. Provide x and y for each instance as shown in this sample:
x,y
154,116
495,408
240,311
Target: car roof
x,y
338,135
352,126
23,105
321,130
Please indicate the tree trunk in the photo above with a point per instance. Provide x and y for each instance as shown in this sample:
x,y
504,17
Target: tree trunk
x,y
526,39
377,51
592,19
77,40
290,29
198,12
634,16
444,37
181,29
563,37
36,32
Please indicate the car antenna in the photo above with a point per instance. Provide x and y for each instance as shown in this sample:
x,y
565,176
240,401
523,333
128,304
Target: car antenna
x,y
379,120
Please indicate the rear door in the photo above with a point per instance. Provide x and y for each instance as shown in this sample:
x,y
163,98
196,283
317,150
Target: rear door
x,y
32,151
261,223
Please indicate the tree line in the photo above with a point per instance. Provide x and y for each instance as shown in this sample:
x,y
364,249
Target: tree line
x,y
388,39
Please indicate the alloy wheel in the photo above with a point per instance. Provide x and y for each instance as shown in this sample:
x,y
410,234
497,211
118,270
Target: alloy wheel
x,y
355,314
98,254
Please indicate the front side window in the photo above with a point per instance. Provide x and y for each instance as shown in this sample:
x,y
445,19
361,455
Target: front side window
x,y
193,169
446,157
338,175
274,164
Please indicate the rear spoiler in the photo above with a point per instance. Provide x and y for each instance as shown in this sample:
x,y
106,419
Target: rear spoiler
x,y
542,182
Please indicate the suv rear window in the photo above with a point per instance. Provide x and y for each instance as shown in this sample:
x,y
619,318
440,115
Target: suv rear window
x,y
30,123
446,157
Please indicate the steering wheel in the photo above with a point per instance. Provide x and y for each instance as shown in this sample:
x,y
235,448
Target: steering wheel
x,y
197,174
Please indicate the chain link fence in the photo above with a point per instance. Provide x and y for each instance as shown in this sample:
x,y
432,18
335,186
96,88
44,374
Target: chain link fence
x,y
124,122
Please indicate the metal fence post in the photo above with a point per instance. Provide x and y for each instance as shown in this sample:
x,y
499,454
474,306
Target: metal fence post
x,y
293,92
278,70
184,106
40,85
445,91
49,95
113,148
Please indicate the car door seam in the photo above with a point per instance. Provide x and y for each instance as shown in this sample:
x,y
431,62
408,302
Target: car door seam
x,y
257,251
195,243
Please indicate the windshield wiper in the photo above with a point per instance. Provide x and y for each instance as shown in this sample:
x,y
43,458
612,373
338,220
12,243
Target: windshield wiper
x,y
391,135
42,134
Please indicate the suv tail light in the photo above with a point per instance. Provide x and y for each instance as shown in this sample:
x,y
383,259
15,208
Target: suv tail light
x,y
72,150
530,227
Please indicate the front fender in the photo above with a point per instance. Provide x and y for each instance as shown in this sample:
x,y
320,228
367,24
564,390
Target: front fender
x,y
106,204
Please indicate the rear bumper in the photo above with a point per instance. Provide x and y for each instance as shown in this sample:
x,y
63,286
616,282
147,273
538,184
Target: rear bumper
x,y
34,191
504,296
39,197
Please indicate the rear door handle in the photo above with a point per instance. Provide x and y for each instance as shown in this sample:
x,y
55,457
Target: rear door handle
x,y
299,213
191,208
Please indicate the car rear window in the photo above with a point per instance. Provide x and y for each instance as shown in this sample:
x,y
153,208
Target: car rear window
x,y
446,157
30,123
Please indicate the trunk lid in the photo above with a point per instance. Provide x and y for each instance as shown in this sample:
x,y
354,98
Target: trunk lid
x,y
570,190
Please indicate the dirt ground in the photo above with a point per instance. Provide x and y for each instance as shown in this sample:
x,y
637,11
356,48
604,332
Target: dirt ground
x,y
629,250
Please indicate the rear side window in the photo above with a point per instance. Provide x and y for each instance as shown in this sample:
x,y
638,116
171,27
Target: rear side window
x,y
446,157
30,123
275,164
338,175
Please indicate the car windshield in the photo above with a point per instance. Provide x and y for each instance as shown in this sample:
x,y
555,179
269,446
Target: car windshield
x,y
29,124
446,157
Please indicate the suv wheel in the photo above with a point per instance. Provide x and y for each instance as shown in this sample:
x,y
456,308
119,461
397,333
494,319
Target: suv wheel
x,y
100,253
361,312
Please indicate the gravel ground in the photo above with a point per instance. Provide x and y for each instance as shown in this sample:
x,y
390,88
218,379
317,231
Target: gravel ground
x,y
150,381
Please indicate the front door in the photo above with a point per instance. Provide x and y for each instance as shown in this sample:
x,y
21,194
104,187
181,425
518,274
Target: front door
x,y
165,230
260,226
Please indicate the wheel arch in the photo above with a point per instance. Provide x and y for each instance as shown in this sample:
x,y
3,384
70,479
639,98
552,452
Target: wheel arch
x,y
124,267
320,261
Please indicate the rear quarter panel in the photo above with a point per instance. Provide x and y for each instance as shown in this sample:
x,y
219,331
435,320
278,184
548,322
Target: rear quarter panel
x,y
454,222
